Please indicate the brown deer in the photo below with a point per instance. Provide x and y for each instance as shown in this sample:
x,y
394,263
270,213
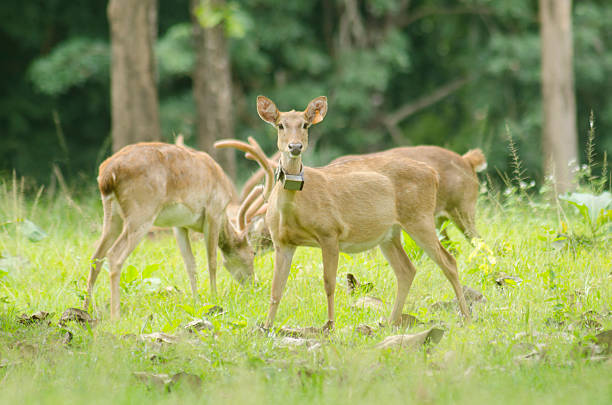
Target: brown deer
x,y
148,184
350,206
457,189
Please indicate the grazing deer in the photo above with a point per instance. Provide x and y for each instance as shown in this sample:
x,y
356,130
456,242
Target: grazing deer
x,y
350,206
458,183
148,184
457,189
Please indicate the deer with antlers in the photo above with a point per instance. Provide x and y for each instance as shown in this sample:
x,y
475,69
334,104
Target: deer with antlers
x,y
349,206
148,184
456,198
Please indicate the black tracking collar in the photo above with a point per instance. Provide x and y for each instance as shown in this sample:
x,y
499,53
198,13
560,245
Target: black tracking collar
x,y
294,182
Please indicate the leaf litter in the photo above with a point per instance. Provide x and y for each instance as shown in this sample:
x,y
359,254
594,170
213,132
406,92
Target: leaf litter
x,y
412,341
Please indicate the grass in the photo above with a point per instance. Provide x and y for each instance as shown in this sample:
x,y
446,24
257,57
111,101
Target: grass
x,y
475,363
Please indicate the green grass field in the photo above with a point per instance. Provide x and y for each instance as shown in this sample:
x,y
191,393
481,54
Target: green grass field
x,y
529,343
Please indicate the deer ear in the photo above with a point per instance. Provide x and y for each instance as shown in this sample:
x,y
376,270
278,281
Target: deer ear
x,y
316,110
267,110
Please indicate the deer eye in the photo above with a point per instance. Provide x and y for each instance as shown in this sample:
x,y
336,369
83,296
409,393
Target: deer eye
x,y
280,126
305,126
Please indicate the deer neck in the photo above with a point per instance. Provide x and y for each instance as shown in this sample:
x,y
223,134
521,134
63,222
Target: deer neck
x,y
290,174
291,165
227,235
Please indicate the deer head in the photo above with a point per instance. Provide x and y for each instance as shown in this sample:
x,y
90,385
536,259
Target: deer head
x,y
292,128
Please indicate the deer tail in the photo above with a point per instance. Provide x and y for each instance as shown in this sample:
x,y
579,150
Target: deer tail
x,y
476,159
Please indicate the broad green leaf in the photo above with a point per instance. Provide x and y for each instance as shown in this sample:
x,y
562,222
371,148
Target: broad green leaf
x,y
590,206
129,274
148,271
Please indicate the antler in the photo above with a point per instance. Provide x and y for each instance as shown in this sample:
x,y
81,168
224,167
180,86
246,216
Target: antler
x,y
243,219
257,207
253,152
256,178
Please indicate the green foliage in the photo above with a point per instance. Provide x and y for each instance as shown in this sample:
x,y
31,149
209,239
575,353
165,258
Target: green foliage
x,y
174,52
235,20
392,54
70,64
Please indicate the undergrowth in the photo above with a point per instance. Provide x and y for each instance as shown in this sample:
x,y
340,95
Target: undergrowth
x,y
544,271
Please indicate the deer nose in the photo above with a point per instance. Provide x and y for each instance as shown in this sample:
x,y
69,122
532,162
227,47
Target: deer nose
x,y
295,148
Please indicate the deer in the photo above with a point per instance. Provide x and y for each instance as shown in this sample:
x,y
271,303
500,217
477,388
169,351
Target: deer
x,y
457,190
167,185
351,206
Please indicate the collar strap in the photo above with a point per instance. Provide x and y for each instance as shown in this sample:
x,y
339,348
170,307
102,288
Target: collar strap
x,y
294,182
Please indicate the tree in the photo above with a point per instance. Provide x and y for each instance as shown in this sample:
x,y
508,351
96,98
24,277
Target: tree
x,y
560,140
212,82
134,104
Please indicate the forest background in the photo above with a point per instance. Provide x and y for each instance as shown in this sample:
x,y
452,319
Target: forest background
x,y
459,74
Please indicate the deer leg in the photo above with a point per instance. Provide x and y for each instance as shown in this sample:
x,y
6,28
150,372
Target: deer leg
x,y
111,228
404,272
212,240
439,222
182,238
464,219
283,255
330,252
423,231
118,253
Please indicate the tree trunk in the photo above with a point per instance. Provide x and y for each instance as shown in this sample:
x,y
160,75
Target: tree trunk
x,y
212,87
134,105
560,144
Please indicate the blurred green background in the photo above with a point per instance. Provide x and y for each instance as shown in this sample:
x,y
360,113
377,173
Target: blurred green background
x,y
480,58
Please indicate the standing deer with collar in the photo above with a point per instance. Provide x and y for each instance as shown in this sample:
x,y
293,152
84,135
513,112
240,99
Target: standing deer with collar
x,y
348,206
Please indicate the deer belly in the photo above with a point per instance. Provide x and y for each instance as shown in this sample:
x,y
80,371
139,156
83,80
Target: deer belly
x,y
176,215
356,246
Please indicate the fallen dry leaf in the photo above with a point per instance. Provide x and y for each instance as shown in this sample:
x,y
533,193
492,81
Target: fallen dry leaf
x,y
26,348
473,296
408,321
36,317
503,280
159,380
170,290
308,331
287,341
354,286
365,330
431,335
76,315
199,325
369,302
159,337
531,357
183,378
213,309
604,339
